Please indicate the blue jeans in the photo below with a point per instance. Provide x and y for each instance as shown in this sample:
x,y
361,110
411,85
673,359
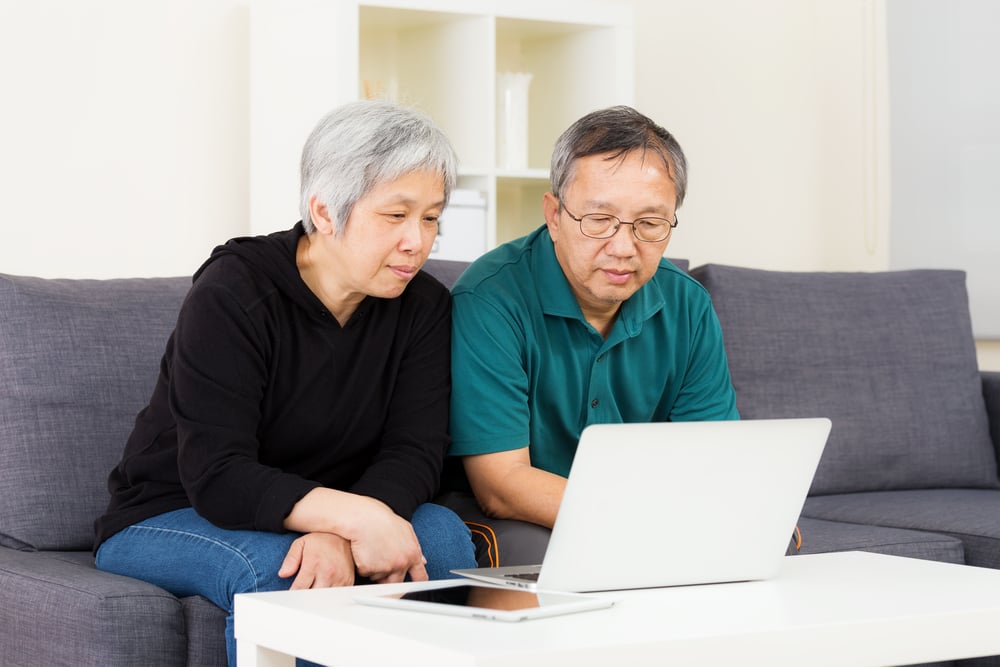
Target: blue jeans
x,y
187,555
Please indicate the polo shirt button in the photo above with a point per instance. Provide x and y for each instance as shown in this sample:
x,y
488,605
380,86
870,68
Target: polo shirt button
x,y
594,403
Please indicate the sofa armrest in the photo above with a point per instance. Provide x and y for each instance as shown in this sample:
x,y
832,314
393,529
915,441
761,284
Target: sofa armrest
x,y
54,611
991,394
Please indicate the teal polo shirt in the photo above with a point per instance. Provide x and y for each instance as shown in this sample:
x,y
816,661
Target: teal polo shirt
x,y
528,370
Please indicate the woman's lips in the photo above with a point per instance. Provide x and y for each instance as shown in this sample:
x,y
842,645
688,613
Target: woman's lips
x,y
403,271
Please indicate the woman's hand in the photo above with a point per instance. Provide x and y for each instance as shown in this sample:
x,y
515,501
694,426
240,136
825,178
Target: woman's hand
x,y
383,546
320,560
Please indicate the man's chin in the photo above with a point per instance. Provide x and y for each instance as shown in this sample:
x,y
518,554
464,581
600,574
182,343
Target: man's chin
x,y
612,292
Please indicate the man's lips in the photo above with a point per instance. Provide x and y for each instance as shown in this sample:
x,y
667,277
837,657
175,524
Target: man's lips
x,y
617,276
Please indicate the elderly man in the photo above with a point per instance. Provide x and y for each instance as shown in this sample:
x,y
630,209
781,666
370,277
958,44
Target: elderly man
x,y
582,321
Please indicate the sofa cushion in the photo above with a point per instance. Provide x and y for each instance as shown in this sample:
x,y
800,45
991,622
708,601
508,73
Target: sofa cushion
x,y
59,612
991,394
206,632
970,515
819,536
205,623
78,360
889,357
445,270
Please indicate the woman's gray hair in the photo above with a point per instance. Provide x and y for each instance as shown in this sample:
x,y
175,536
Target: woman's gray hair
x,y
361,144
618,131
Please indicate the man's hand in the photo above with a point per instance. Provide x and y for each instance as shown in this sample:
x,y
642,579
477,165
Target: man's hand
x,y
320,560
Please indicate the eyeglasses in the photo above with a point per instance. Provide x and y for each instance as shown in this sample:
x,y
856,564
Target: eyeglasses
x,y
604,226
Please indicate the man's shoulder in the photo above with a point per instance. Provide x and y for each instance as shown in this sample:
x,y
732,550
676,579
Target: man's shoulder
x,y
505,269
672,280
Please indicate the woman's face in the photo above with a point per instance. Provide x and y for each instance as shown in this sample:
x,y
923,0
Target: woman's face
x,y
388,236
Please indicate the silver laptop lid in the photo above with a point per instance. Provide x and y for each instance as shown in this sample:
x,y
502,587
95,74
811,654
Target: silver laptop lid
x,y
679,503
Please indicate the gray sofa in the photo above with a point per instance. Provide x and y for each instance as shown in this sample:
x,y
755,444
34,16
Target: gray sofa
x,y
910,468
78,360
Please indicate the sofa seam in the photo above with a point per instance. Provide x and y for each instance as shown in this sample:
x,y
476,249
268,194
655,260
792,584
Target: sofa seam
x,y
84,591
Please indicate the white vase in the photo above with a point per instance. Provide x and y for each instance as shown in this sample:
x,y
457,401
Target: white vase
x,y
512,119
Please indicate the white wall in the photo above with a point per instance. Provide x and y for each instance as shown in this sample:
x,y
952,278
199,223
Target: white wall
x,y
123,131
122,134
773,103
945,102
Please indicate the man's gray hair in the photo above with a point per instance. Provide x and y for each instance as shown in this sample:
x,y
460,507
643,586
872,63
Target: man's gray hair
x,y
617,131
362,144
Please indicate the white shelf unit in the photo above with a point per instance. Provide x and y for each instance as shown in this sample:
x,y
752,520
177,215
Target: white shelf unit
x,y
441,56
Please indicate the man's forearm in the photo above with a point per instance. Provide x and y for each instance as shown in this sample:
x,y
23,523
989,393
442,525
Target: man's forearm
x,y
524,493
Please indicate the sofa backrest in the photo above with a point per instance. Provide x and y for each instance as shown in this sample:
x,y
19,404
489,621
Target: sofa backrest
x,y
888,356
445,270
78,360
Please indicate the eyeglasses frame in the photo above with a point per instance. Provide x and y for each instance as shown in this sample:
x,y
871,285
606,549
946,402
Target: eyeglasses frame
x,y
671,224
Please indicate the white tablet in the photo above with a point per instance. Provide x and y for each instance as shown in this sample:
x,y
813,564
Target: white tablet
x,y
496,603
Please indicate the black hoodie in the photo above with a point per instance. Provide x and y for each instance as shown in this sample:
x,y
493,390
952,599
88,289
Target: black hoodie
x,y
262,396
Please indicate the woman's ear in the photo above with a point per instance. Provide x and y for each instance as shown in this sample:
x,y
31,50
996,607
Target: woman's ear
x,y
320,215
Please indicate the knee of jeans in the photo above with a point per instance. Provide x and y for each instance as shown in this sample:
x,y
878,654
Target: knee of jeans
x,y
445,540
257,570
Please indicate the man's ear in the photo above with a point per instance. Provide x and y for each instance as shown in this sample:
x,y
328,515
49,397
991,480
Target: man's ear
x,y
320,215
550,208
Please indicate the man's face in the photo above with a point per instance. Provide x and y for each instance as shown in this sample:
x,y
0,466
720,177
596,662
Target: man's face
x,y
605,272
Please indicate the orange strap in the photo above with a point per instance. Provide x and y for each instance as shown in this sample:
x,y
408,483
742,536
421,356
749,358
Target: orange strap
x,y
490,537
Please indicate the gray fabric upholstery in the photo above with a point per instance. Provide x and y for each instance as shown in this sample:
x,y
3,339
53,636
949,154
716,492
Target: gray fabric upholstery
x,y
78,359
681,264
58,612
204,623
991,394
444,270
499,542
970,515
889,357
206,629
820,536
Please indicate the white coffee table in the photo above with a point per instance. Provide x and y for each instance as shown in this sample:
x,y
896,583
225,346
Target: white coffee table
x,y
827,609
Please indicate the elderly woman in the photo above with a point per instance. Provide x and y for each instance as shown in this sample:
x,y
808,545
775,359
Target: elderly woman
x,y
299,422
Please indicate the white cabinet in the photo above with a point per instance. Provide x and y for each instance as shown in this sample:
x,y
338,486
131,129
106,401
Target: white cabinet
x,y
442,56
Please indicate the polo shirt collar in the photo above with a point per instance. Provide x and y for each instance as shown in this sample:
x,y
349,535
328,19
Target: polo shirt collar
x,y
557,298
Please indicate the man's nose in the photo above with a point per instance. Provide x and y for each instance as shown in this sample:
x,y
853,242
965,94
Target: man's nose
x,y
622,242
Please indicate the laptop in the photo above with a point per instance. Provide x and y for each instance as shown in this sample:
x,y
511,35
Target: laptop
x,y
675,503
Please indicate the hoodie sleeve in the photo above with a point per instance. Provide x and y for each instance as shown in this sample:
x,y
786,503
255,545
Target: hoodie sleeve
x,y
218,374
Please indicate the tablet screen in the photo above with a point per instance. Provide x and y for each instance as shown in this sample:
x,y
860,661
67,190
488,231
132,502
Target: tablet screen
x,y
484,601
481,597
